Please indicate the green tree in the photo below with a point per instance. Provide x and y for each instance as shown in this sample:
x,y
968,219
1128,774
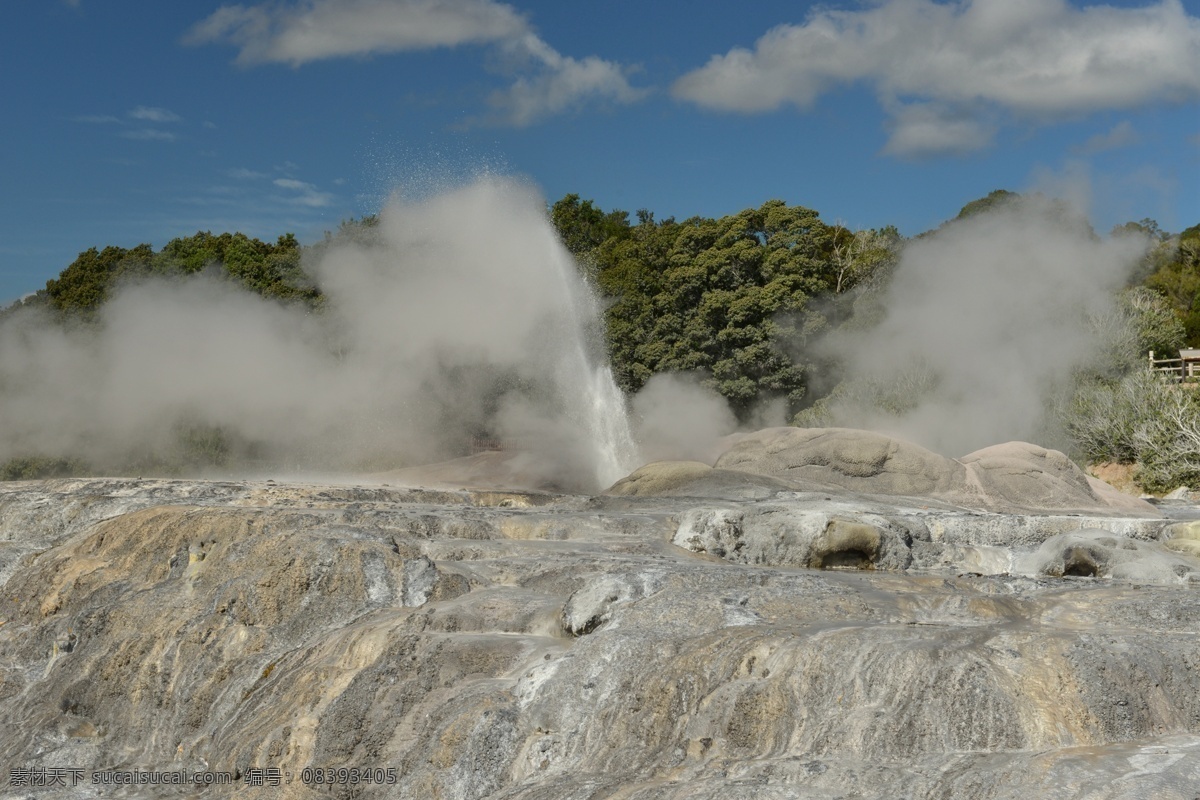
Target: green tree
x,y
994,199
1175,265
731,298
583,227
88,281
271,270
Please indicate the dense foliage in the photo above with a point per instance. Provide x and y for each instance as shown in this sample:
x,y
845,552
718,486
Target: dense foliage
x,y
271,270
1172,267
735,299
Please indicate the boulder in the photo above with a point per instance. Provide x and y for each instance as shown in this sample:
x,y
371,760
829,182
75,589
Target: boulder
x,y
1016,477
1022,476
862,461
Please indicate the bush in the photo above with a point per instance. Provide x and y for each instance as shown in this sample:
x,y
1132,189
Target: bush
x,y
1141,419
29,469
1168,443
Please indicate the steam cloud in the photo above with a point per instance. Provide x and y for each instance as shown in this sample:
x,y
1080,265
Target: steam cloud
x,y
463,318
984,318
678,418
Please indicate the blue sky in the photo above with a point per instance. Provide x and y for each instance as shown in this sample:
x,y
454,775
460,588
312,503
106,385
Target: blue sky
x,y
128,122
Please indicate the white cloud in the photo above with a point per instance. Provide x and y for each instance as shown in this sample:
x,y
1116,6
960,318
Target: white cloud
x,y
320,29
149,135
149,114
304,194
1042,59
312,30
560,83
920,130
1121,135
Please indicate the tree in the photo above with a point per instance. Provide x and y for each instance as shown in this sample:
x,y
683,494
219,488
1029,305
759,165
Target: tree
x,y
1175,265
994,199
88,281
1147,227
729,298
583,227
857,256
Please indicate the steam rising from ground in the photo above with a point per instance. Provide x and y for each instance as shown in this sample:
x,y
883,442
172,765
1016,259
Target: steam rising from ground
x,y
676,417
462,319
984,318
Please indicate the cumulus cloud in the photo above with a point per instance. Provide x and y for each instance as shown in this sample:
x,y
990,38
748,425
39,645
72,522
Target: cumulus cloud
x,y
1042,59
321,29
559,83
150,114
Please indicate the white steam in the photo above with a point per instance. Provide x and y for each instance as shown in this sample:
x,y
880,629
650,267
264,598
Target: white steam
x,y
984,318
679,419
462,319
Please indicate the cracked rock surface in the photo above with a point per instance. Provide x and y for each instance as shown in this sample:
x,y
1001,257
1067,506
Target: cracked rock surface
x,y
763,641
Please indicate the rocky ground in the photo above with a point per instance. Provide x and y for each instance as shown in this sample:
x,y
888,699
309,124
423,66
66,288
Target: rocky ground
x,y
817,615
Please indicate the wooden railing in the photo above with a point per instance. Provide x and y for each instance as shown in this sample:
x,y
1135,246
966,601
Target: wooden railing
x,y
1184,368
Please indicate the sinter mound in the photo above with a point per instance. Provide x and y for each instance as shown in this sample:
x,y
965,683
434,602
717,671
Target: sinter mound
x,y
1016,477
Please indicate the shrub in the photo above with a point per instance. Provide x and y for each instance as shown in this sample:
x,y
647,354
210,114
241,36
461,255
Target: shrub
x,y
1141,419
33,468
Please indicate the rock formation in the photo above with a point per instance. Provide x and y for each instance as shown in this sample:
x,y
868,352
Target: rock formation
x,y
822,614
1016,477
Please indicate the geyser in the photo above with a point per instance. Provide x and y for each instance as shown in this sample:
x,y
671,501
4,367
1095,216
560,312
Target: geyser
x,y
456,319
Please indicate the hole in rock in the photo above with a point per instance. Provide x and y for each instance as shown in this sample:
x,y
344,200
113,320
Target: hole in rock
x,y
847,559
1080,564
